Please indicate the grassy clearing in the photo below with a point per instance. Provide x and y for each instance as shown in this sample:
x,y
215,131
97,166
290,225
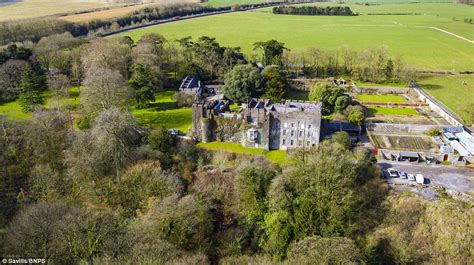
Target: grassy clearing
x,y
276,156
12,109
163,112
455,91
393,111
405,35
381,98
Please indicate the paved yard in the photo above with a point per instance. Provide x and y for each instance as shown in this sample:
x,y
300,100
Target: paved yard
x,y
459,179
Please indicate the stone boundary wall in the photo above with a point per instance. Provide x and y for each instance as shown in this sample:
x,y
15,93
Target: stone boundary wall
x,y
379,90
437,106
390,128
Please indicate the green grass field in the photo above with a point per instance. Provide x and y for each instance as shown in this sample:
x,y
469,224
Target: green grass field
x,y
393,111
381,98
163,112
405,35
276,156
455,91
12,109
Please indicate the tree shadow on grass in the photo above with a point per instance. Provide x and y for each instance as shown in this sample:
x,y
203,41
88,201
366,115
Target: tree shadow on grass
x,y
160,106
4,101
431,86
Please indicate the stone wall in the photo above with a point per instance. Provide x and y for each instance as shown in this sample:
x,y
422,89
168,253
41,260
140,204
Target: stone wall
x,y
437,106
391,128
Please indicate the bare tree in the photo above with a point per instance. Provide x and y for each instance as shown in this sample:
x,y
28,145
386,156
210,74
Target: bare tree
x,y
103,53
114,131
104,89
58,84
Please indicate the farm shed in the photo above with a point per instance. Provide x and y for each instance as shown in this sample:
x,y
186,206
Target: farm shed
x,y
342,126
459,148
410,156
466,140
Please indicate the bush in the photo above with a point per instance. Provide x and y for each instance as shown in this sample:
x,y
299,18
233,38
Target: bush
x,y
184,99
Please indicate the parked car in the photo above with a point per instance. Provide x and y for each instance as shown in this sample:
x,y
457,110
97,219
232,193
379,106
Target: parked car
x,y
419,178
402,174
411,177
392,173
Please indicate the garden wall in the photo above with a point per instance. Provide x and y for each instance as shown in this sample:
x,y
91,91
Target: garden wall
x,y
390,128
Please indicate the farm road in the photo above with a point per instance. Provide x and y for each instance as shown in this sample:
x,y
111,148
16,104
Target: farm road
x,y
447,32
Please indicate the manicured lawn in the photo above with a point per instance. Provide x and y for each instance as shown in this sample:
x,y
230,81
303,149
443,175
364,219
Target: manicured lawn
x,y
406,35
397,85
393,111
163,112
277,156
455,91
381,98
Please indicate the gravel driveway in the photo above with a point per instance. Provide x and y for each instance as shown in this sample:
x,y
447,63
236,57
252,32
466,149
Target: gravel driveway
x,y
455,178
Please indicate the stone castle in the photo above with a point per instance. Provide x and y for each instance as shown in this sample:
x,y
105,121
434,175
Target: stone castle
x,y
262,124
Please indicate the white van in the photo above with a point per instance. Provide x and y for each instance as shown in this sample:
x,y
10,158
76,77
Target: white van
x,y
419,179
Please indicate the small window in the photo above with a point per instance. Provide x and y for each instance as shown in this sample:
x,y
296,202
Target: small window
x,y
292,133
309,134
292,125
283,142
300,143
301,133
309,126
284,132
292,142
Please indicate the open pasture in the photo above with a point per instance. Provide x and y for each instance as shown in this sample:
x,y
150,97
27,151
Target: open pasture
x,y
454,91
37,8
118,11
407,35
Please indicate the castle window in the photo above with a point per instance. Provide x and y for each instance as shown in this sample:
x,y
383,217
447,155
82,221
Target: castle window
x,y
252,134
300,142
283,142
292,125
301,133
291,142
309,126
284,132
309,134
292,133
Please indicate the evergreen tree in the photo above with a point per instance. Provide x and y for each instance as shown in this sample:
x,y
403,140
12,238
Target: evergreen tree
x,y
141,82
275,85
30,88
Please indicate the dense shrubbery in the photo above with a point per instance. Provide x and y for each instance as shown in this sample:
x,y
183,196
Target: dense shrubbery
x,y
314,10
